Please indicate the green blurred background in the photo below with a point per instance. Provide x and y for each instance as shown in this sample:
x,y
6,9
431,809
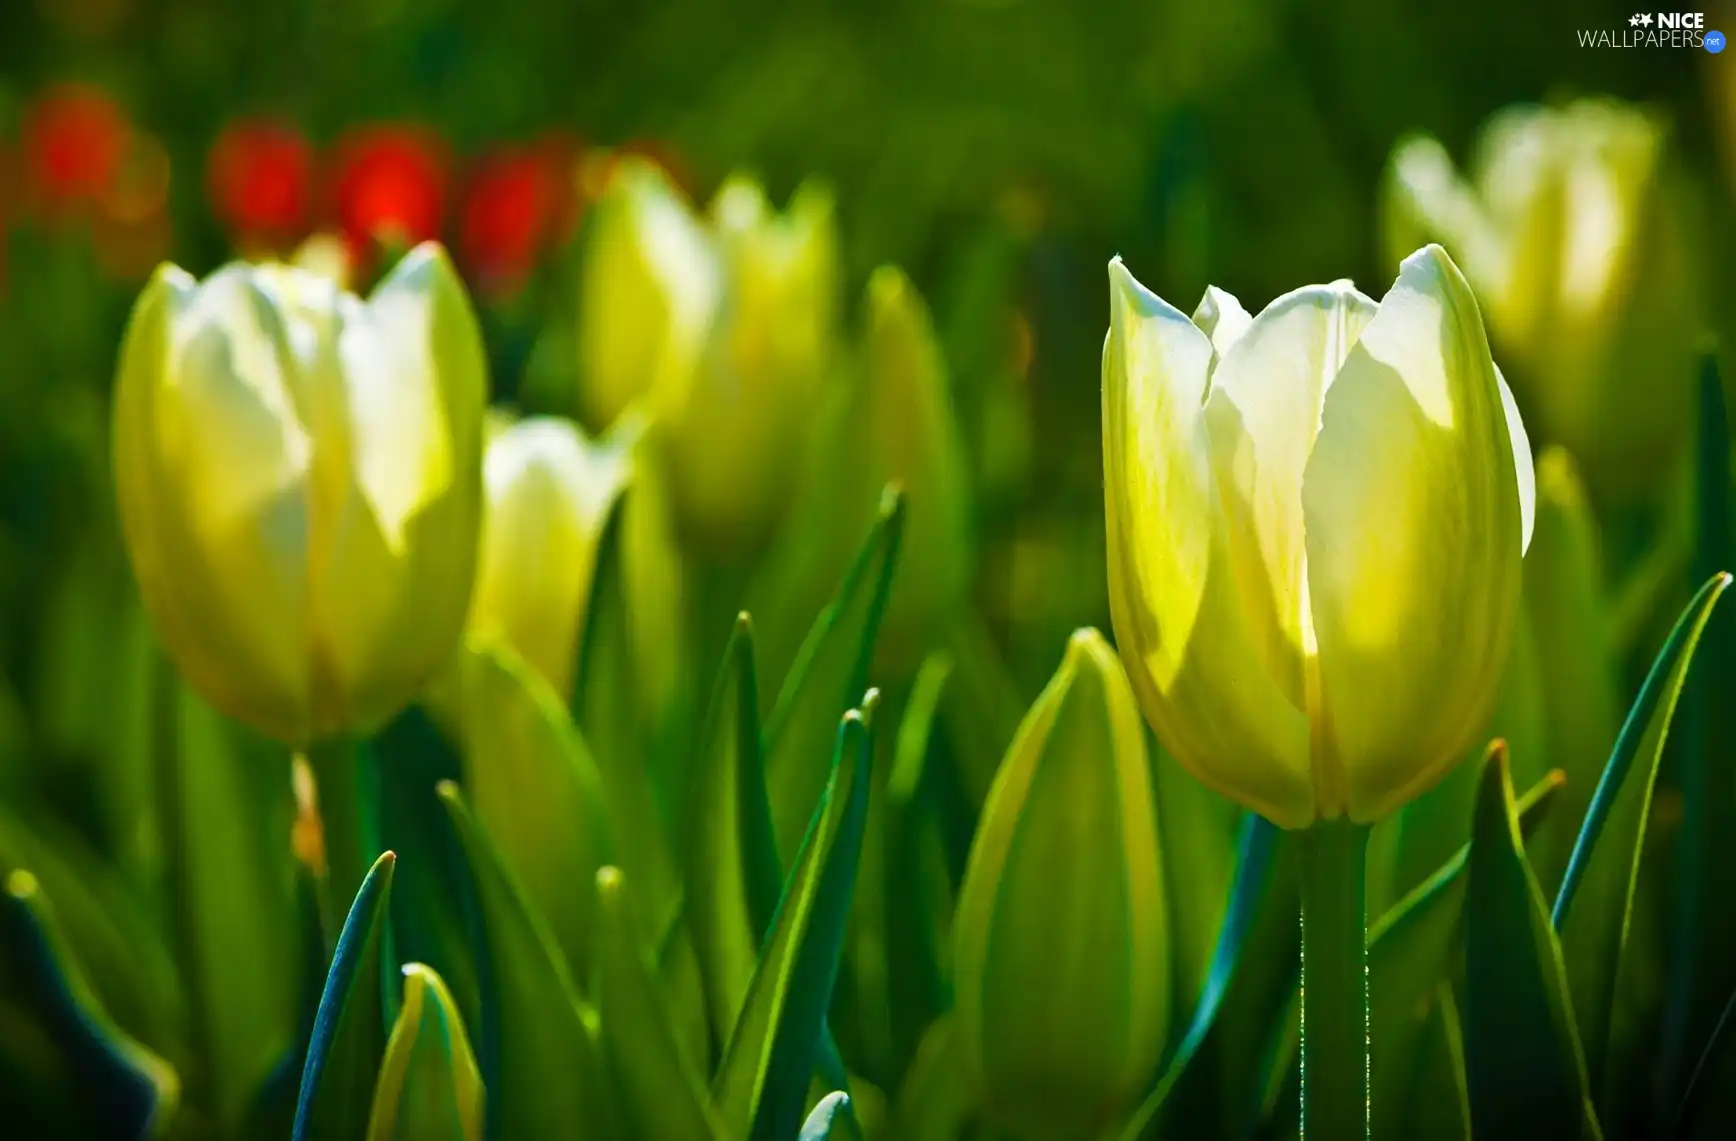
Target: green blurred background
x,y
1000,150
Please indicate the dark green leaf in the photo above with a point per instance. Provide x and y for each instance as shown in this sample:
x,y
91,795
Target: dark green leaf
x,y
429,1088
661,1094
761,1085
127,1092
934,1100
1410,951
234,895
1604,869
830,675
548,1081
349,1032
732,864
1517,1017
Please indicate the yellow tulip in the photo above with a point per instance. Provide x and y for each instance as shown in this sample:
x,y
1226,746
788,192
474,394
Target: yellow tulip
x,y
1575,231
1061,957
648,291
1315,522
549,492
299,479
735,426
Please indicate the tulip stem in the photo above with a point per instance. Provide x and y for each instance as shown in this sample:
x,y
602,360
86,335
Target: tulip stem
x,y
1334,981
337,774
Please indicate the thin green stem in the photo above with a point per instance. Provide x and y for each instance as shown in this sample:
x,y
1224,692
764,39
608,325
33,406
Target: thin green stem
x,y
1334,981
344,829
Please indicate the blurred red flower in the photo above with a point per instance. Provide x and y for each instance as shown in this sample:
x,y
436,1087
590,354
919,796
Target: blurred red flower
x,y
74,138
260,178
519,203
388,184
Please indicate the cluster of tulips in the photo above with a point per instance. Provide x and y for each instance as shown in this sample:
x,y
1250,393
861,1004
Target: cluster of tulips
x,y
627,777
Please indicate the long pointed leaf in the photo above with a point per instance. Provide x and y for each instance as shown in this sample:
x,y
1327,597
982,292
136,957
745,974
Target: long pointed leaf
x,y
661,1094
1604,868
829,676
1410,952
732,865
762,1082
139,1091
1518,1021
548,1085
349,1033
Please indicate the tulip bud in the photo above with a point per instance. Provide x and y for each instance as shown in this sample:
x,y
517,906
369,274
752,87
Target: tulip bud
x,y
900,426
549,494
734,432
648,290
1315,524
1575,229
300,485
1061,942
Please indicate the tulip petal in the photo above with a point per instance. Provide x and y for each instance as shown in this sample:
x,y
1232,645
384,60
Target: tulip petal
x,y
1221,317
1414,532
549,493
1524,469
1176,606
209,468
1263,414
394,583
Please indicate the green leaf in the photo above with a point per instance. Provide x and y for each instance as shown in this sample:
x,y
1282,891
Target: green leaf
x,y
119,948
916,944
535,789
1215,1083
433,898
349,1032
662,1095
732,865
832,1118
1702,932
1199,861
761,1084
1517,1017
126,1091
934,1101
1439,1101
630,691
429,1088
829,675
1708,1105
226,827
1410,952
1596,899
547,1084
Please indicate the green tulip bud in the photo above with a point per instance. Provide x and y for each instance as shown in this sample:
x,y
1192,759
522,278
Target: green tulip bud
x,y
733,432
648,292
1576,231
1061,940
300,485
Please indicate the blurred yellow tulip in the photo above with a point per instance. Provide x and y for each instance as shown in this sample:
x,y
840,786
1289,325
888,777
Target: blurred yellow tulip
x,y
735,426
1578,236
549,492
648,292
1315,522
1061,956
300,485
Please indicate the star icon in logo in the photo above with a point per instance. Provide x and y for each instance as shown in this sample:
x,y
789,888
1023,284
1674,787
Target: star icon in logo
x,y
1633,21
1645,19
